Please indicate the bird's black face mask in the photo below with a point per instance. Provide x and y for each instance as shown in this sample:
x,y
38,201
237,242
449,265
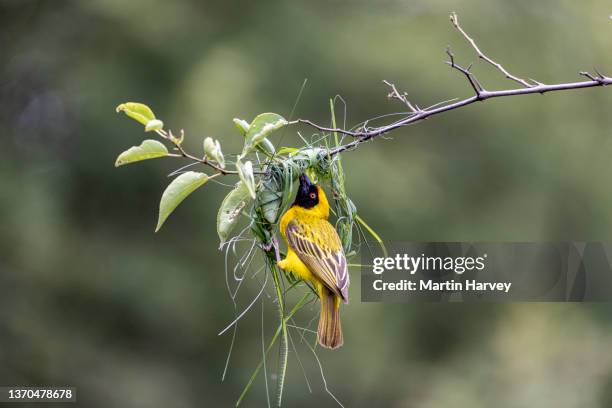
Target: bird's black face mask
x,y
308,193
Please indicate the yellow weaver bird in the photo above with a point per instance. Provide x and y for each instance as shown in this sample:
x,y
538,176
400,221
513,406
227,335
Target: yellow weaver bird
x,y
315,254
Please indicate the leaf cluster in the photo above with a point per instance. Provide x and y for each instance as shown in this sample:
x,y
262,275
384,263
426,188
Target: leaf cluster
x,y
266,176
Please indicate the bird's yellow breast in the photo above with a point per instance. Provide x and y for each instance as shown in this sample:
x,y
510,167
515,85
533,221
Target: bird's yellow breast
x,y
319,232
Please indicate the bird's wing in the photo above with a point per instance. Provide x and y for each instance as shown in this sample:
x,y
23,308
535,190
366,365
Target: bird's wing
x,y
317,244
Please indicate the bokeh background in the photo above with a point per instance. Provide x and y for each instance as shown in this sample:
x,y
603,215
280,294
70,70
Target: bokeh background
x,y
90,297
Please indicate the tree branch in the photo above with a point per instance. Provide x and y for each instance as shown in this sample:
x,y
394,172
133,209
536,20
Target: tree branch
x,y
365,136
416,114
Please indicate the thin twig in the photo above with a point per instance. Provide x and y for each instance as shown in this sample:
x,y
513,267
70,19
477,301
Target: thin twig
x,y
476,86
402,97
597,77
455,21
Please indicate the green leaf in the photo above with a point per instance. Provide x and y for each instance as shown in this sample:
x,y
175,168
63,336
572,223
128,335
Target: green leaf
x,y
148,149
267,147
311,155
219,155
269,201
212,148
209,146
287,186
312,175
154,124
262,126
245,171
137,111
273,192
177,191
230,210
242,126
288,150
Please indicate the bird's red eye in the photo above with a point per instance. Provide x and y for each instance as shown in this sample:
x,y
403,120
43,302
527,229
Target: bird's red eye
x,y
313,195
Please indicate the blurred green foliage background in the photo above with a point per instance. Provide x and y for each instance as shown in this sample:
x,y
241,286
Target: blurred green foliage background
x,y
90,297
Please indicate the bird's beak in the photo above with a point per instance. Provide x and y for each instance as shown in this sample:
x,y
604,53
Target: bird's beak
x,y
304,180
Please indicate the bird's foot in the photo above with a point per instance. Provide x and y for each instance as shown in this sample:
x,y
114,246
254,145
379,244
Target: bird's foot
x,y
273,244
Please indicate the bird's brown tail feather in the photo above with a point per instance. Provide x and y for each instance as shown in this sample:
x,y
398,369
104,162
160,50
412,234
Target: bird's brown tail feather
x,y
330,330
